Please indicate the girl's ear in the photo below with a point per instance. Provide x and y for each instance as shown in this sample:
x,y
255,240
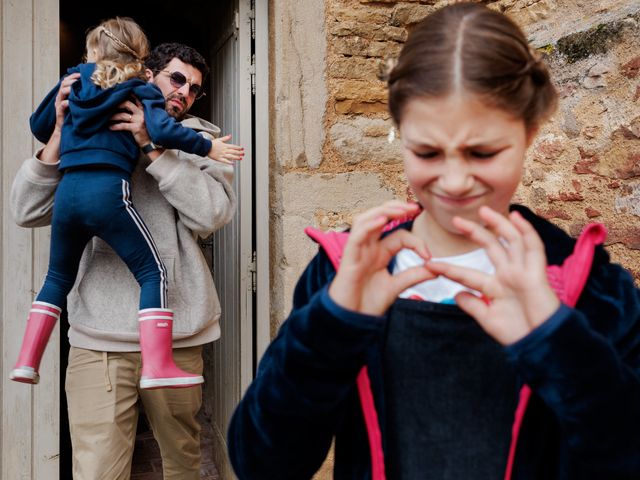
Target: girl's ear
x,y
149,73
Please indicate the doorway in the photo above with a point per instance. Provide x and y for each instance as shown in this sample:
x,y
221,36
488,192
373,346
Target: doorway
x,y
222,32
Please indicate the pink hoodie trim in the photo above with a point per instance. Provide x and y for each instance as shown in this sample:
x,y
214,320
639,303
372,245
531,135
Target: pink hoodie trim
x,y
568,281
333,244
373,426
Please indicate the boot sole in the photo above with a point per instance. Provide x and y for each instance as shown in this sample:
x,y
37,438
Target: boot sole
x,y
24,375
177,382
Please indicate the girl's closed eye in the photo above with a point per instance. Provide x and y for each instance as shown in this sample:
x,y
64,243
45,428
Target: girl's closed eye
x,y
483,154
426,154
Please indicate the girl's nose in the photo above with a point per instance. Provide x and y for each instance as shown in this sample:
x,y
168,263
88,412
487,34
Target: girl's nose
x,y
456,179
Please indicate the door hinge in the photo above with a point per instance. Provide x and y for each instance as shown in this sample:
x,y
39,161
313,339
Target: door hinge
x,y
254,272
252,73
252,17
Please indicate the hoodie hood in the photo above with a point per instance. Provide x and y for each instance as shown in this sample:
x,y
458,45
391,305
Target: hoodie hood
x,y
201,125
91,107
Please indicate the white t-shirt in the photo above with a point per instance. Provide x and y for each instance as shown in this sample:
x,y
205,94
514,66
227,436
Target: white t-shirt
x,y
441,290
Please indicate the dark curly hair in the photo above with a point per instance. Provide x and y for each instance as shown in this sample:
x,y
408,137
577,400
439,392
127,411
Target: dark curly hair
x,y
165,52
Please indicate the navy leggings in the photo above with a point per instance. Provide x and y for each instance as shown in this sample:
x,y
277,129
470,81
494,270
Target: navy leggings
x,y
97,202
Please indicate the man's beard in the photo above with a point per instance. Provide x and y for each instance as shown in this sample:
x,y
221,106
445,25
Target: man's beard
x,y
173,110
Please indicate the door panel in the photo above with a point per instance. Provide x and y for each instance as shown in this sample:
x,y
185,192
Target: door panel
x,y
231,365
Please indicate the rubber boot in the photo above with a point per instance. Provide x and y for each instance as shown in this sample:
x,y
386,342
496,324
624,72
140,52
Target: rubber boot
x,y
42,318
158,368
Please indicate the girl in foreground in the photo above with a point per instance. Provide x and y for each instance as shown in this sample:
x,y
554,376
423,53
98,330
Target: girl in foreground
x,y
493,344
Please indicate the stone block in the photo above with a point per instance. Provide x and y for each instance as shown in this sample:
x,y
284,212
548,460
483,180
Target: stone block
x,y
365,139
628,235
299,86
354,107
370,91
303,196
548,148
553,212
368,31
405,14
362,13
631,68
595,77
356,68
591,212
527,12
630,168
364,47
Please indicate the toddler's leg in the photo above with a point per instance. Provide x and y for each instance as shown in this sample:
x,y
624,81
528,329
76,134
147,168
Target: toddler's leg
x,y
129,237
42,319
67,244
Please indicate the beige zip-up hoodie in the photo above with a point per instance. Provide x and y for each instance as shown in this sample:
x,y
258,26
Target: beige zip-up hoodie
x,y
180,197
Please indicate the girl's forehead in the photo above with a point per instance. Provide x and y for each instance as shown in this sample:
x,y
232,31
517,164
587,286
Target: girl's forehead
x,y
455,119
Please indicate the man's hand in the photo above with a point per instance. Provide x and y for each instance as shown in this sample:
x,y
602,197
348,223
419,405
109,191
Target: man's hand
x,y
51,151
132,120
225,152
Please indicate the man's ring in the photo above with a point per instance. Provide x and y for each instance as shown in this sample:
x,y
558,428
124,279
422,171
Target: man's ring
x,y
130,115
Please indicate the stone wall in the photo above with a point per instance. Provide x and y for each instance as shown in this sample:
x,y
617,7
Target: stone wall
x,y
584,165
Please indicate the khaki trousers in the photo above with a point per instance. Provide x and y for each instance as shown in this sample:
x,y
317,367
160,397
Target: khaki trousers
x,y
102,396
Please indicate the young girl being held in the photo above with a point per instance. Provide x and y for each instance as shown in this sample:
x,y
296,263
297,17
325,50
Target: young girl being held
x,y
476,341
93,197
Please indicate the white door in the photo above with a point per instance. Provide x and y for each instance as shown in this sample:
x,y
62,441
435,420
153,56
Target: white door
x,y
231,368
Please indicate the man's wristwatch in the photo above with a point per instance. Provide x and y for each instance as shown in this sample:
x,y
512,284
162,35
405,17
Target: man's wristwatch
x,y
149,147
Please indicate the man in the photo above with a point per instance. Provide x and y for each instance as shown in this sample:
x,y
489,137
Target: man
x,y
180,196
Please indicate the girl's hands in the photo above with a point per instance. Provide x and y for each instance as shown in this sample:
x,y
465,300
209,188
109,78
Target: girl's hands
x,y
363,283
519,297
225,152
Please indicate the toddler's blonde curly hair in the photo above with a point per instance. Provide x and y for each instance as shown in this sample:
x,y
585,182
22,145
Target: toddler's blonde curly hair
x,y
119,46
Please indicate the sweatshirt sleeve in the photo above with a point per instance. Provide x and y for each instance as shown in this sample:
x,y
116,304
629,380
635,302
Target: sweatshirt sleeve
x,y
284,425
163,128
200,189
584,363
43,120
32,193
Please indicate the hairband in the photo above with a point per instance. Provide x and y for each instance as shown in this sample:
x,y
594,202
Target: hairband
x,y
119,42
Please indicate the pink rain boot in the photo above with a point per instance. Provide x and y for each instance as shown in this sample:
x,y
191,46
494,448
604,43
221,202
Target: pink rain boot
x,y
42,319
158,367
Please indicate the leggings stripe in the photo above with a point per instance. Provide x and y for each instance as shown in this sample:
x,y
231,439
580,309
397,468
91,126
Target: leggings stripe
x,y
126,198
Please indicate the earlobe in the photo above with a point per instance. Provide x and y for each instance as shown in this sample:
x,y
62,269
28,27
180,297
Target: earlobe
x,y
149,74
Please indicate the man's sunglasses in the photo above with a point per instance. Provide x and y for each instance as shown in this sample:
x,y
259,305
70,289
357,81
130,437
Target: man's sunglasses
x,y
178,80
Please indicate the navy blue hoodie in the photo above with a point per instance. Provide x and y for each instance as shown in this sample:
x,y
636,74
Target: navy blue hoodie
x,y
583,365
86,138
